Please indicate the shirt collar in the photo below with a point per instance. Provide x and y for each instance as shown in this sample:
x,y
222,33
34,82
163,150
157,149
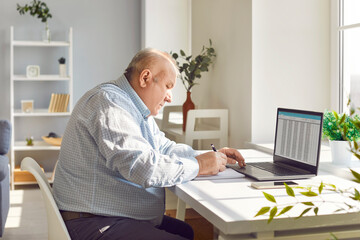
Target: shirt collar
x,y
124,84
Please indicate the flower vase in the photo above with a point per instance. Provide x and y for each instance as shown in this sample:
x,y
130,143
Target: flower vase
x,y
188,105
340,153
46,34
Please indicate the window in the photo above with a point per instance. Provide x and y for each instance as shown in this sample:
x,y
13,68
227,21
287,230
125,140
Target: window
x,y
348,32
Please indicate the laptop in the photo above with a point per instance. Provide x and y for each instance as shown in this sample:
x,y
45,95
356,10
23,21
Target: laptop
x,y
296,150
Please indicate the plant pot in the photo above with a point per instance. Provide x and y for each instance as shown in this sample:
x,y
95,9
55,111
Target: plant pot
x,y
340,152
62,70
188,105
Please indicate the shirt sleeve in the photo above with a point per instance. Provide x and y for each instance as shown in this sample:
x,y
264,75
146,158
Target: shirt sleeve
x,y
132,149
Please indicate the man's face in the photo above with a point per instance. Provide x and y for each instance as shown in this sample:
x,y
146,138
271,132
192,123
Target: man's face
x,y
159,90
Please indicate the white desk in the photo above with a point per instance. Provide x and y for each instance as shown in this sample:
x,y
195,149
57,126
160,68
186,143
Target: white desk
x,y
231,204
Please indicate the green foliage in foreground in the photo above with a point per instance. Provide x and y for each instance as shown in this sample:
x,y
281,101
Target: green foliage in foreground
x,y
312,205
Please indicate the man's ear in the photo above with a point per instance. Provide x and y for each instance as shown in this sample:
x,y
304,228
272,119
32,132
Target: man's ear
x,y
145,77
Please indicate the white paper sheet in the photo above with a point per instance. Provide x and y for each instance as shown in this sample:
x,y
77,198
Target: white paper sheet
x,y
228,173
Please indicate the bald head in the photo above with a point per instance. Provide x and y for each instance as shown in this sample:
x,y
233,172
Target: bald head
x,y
150,58
152,75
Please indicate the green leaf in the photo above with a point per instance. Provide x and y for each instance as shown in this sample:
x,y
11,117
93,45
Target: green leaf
x,y
262,211
345,131
309,194
340,210
304,212
197,72
269,197
357,195
289,190
285,209
331,185
333,236
321,187
342,119
204,68
356,146
308,203
182,53
357,155
192,67
272,214
316,210
336,115
349,206
356,175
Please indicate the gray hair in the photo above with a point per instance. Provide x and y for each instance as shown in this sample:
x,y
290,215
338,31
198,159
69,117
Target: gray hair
x,y
145,58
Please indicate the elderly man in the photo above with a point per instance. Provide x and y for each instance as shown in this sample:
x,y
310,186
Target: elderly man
x,y
114,162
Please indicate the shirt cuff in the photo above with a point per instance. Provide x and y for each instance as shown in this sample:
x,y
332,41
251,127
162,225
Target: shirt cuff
x,y
191,168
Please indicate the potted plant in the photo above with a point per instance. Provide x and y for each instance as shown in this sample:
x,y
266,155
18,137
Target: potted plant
x,y
340,131
191,68
40,10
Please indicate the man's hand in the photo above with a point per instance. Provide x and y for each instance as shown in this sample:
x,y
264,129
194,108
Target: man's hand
x,y
233,156
210,163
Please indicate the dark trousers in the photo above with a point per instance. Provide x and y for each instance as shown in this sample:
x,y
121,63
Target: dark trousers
x,y
99,227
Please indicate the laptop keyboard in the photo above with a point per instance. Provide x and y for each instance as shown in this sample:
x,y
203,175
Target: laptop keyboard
x,y
270,167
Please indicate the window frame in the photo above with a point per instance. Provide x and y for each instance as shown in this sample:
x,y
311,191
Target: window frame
x,y
337,54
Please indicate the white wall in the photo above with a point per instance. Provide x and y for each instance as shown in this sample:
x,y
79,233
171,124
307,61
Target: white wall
x,y
270,54
166,25
291,60
228,84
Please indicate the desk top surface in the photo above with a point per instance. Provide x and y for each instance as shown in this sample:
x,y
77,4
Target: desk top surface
x,y
231,204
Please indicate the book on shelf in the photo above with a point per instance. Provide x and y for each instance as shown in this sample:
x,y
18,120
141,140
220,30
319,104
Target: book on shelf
x,y
59,102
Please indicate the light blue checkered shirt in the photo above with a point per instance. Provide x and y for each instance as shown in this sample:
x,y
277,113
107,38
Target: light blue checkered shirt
x,y
114,161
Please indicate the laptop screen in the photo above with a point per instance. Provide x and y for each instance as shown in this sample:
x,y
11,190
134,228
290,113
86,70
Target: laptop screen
x,y
298,137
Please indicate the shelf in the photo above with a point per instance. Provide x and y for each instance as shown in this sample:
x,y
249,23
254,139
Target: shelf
x,y
40,78
48,175
40,113
38,145
40,44
37,85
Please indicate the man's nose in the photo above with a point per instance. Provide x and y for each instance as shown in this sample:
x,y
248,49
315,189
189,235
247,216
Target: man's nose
x,y
168,97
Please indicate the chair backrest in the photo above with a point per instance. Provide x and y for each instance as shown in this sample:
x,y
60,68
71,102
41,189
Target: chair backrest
x,y
221,133
56,226
165,123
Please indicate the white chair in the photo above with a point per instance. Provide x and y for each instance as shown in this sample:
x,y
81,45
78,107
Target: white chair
x,y
205,131
56,226
165,123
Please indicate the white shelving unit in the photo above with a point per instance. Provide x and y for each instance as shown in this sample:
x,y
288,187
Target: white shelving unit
x,y
19,145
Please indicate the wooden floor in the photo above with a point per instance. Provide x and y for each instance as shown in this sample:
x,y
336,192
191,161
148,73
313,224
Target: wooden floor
x,y
27,217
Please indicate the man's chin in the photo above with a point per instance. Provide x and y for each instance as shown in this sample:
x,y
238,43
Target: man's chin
x,y
156,112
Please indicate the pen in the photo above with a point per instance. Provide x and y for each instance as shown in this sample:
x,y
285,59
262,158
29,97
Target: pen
x,y
213,147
